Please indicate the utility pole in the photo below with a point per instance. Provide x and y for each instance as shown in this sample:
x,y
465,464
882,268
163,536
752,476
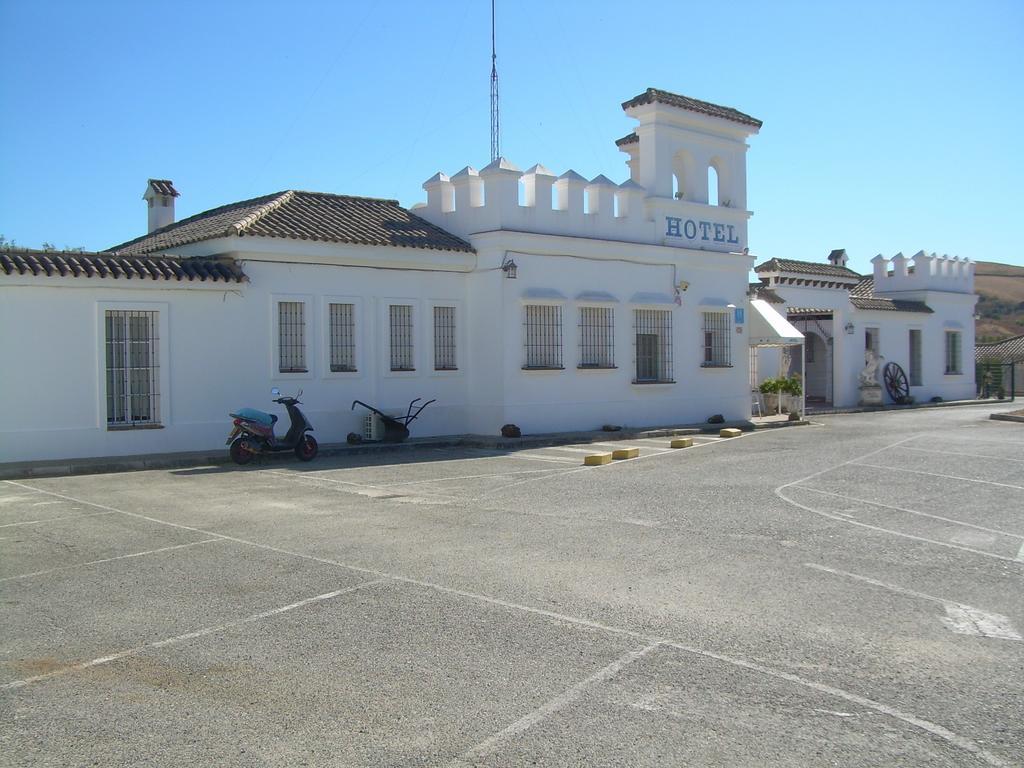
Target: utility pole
x,y
495,123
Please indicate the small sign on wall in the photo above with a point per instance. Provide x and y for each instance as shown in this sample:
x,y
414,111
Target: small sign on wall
x,y
738,315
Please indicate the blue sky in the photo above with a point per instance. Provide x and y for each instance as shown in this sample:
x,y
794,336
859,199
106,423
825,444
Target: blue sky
x,y
888,126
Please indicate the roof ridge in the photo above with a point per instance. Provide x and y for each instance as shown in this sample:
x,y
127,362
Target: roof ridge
x,y
245,222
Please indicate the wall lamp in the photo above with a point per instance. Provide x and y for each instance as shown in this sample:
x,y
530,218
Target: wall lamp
x,y
510,268
848,328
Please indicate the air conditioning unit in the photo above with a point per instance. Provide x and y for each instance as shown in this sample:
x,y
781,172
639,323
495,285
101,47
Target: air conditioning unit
x,y
373,427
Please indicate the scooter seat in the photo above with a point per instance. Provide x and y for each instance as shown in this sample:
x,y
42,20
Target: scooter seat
x,y
251,414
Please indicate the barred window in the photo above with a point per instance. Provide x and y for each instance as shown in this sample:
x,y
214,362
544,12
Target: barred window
x,y
653,329
915,358
291,336
543,336
597,337
401,338
133,367
444,339
342,322
953,352
717,342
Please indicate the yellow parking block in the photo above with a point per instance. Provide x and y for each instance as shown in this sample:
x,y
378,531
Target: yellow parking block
x,y
682,442
597,459
730,432
625,453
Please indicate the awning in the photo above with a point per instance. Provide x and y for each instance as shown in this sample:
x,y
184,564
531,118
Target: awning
x,y
770,329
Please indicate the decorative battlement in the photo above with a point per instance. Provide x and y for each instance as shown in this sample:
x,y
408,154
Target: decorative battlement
x,y
687,186
923,273
500,196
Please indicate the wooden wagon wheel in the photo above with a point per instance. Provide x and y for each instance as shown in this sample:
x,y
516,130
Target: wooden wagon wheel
x,y
896,383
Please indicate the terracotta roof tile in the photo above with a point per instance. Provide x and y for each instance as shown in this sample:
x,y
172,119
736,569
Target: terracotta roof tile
x,y
806,268
629,138
652,95
117,266
762,291
304,216
862,296
1007,350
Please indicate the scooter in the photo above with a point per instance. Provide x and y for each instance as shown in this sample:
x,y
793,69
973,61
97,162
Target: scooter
x,y
253,432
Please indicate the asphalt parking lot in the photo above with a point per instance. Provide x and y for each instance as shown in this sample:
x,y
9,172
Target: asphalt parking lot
x,y
846,593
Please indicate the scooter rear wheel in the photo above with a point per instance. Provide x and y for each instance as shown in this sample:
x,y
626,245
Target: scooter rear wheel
x,y
307,448
241,450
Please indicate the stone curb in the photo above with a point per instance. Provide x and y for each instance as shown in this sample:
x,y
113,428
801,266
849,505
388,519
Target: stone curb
x,y
111,464
889,408
1006,417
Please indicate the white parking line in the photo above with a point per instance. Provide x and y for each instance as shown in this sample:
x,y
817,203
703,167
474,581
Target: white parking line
x,y
963,619
961,742
968,455
493,743
880,529
525,456
109,559
472,477
188,636
939,474
54,519
910,511
956,740
780,492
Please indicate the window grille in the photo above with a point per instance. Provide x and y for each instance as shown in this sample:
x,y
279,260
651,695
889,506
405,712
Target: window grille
x,y
597,337
953,346
342,337
133,367
291,333
401,338
653,330
717,342
871,340
915,358
444,339
543,336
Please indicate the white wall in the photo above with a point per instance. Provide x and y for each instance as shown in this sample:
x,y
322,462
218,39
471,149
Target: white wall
x,y
559,270
217,353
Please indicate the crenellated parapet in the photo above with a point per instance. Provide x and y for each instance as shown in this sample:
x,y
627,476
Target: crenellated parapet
x,y
500,196
924,272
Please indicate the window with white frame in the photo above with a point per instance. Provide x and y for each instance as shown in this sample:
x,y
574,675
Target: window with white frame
x,y
597,337
542,336
132,341
717,343
653,333
291,337
444,339
400,316
953,352
342,337
915,357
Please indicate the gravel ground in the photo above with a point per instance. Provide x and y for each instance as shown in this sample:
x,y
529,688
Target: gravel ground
x,y
846,593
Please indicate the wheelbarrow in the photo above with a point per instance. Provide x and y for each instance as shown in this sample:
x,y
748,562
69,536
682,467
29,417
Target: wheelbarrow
x,y
396,428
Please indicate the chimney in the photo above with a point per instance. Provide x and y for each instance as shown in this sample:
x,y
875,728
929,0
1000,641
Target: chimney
x,y
160,194
837,257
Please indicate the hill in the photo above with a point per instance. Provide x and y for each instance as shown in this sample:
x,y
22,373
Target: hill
x,y
1000,288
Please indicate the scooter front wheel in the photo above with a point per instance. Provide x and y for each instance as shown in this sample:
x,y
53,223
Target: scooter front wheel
x,y
242,450
307,448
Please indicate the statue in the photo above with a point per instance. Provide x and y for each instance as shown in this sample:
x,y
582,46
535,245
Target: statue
x,y
870,389
869,376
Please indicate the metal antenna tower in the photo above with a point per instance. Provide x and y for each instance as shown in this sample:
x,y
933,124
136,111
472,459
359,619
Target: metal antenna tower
x,y
495,124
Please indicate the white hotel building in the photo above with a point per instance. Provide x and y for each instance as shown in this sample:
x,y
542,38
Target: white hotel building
x,y
550,302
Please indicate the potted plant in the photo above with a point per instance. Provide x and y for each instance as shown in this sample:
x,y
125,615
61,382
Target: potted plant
x,y
791,388
770,389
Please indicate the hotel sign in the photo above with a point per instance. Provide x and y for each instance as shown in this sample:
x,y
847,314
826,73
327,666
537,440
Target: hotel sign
x,y
700,231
